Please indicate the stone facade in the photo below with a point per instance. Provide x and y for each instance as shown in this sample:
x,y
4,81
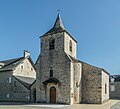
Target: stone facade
x,y
33,92
57,68
105,86
77,80
57,61
93,84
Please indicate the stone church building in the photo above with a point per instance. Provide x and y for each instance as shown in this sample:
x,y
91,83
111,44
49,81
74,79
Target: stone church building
x,y
61,77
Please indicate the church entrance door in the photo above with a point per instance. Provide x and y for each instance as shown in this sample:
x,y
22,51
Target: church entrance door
x,y
53,95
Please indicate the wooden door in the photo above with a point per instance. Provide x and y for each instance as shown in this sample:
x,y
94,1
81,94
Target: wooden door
x,y
53,95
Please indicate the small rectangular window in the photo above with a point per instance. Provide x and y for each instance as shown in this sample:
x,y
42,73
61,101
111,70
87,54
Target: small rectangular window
x,y
21,66
8,96
105,88
51,73
70,45
15,83
9,80
77,85
51,44
31,69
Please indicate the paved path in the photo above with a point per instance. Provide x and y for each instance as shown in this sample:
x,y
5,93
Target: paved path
x,y
111,104
94,106
116,106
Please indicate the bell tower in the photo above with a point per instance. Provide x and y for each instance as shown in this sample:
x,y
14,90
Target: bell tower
x,y
54,66
58,39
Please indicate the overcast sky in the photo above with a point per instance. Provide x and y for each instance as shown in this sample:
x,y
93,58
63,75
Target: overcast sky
x,y
95,24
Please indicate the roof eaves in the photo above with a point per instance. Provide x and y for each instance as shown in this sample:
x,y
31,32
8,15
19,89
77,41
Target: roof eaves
x,y
3,70
105,71
31,61
70,35
51,33
32,83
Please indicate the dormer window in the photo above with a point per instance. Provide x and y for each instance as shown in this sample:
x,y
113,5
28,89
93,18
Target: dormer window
x,y
51,44
70,45
112,80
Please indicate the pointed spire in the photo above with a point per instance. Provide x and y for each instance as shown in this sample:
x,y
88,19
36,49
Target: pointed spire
x,y
58,22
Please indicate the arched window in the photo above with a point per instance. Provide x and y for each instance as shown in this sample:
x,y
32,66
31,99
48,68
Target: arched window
x,y
51,73
51,44
70,45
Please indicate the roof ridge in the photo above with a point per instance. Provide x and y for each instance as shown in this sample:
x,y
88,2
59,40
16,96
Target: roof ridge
x,y
88,64
14,60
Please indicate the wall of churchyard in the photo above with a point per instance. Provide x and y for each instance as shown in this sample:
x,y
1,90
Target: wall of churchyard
x,y
105,86
77,82
57,61
115,90
91,84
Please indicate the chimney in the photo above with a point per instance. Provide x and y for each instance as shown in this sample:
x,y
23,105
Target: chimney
x,y
26,53
1,64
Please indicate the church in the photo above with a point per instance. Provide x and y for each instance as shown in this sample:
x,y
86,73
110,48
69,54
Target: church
x,y
61,77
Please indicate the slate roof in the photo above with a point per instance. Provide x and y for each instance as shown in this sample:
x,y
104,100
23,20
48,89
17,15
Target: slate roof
x,y
58,27
116,77
79,61
11,63
51,80
26,81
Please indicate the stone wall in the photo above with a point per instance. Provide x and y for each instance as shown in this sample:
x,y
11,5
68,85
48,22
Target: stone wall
x,y
67,39
33,92
77,82
91,84
105,86
115,94
71,82
37,67
11,89
5,86
19,91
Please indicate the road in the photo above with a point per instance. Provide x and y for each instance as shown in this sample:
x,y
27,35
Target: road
x,y
111,104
